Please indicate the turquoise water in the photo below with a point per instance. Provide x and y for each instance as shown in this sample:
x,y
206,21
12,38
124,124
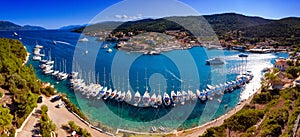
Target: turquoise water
x,y
175,70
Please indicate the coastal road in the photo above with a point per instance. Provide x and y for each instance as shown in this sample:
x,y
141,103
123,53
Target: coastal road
x,y
60,116
31,128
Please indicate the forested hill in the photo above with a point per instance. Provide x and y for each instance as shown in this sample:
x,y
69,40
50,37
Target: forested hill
x,y
285,31
19,87
222,23
6,25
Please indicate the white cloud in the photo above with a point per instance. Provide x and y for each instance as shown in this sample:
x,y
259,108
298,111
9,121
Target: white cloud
x,y
126,17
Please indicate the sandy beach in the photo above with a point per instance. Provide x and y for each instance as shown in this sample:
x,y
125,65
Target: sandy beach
x,y
196,131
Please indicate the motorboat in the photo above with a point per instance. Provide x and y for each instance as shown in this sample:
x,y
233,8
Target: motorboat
x,y
109,50
243,55
37,58
215,61
83,40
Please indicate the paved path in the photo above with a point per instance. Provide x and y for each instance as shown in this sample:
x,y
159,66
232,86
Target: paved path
x,y
31,128
60,116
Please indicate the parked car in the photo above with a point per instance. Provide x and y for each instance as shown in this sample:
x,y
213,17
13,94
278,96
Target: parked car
x,y
297,83
59,105
40,99
56,98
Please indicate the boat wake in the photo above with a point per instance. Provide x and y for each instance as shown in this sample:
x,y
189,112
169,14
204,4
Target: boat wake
x,y
252,57
62,42
174,76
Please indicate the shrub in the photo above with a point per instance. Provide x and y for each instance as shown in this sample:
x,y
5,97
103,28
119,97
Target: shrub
x,y
79,130
262,98
243,119
215,132
44,109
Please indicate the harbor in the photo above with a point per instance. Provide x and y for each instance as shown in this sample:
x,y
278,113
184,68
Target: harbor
x,y
120,102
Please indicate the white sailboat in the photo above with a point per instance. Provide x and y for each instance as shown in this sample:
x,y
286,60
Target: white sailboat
x,y
167,100
153,101
102,92
83,40
104,89
193,96
123,95
107,94
128,94
113,94
185,95
118,96
146,98
159,97
137,98
180,97
174,97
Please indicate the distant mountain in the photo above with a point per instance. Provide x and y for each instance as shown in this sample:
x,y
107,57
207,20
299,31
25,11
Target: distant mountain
x,y
6,25
29,27
222,23
286,31
109,25
72,27
227,26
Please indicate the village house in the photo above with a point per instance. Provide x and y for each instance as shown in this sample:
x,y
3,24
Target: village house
x,y
281,64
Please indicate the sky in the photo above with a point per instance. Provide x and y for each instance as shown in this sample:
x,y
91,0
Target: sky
x,y
53,14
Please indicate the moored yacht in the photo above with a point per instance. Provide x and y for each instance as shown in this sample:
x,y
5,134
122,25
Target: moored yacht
x,y
153,101
180,97
113,94
107,93
118,96
159,100
123,96
128,96
83,40
215,61
137,98
174,97
102,92
146,98
243,55
167,100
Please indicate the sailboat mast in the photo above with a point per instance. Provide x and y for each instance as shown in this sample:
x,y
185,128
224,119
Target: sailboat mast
x,y
137,81
104,78
146,84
